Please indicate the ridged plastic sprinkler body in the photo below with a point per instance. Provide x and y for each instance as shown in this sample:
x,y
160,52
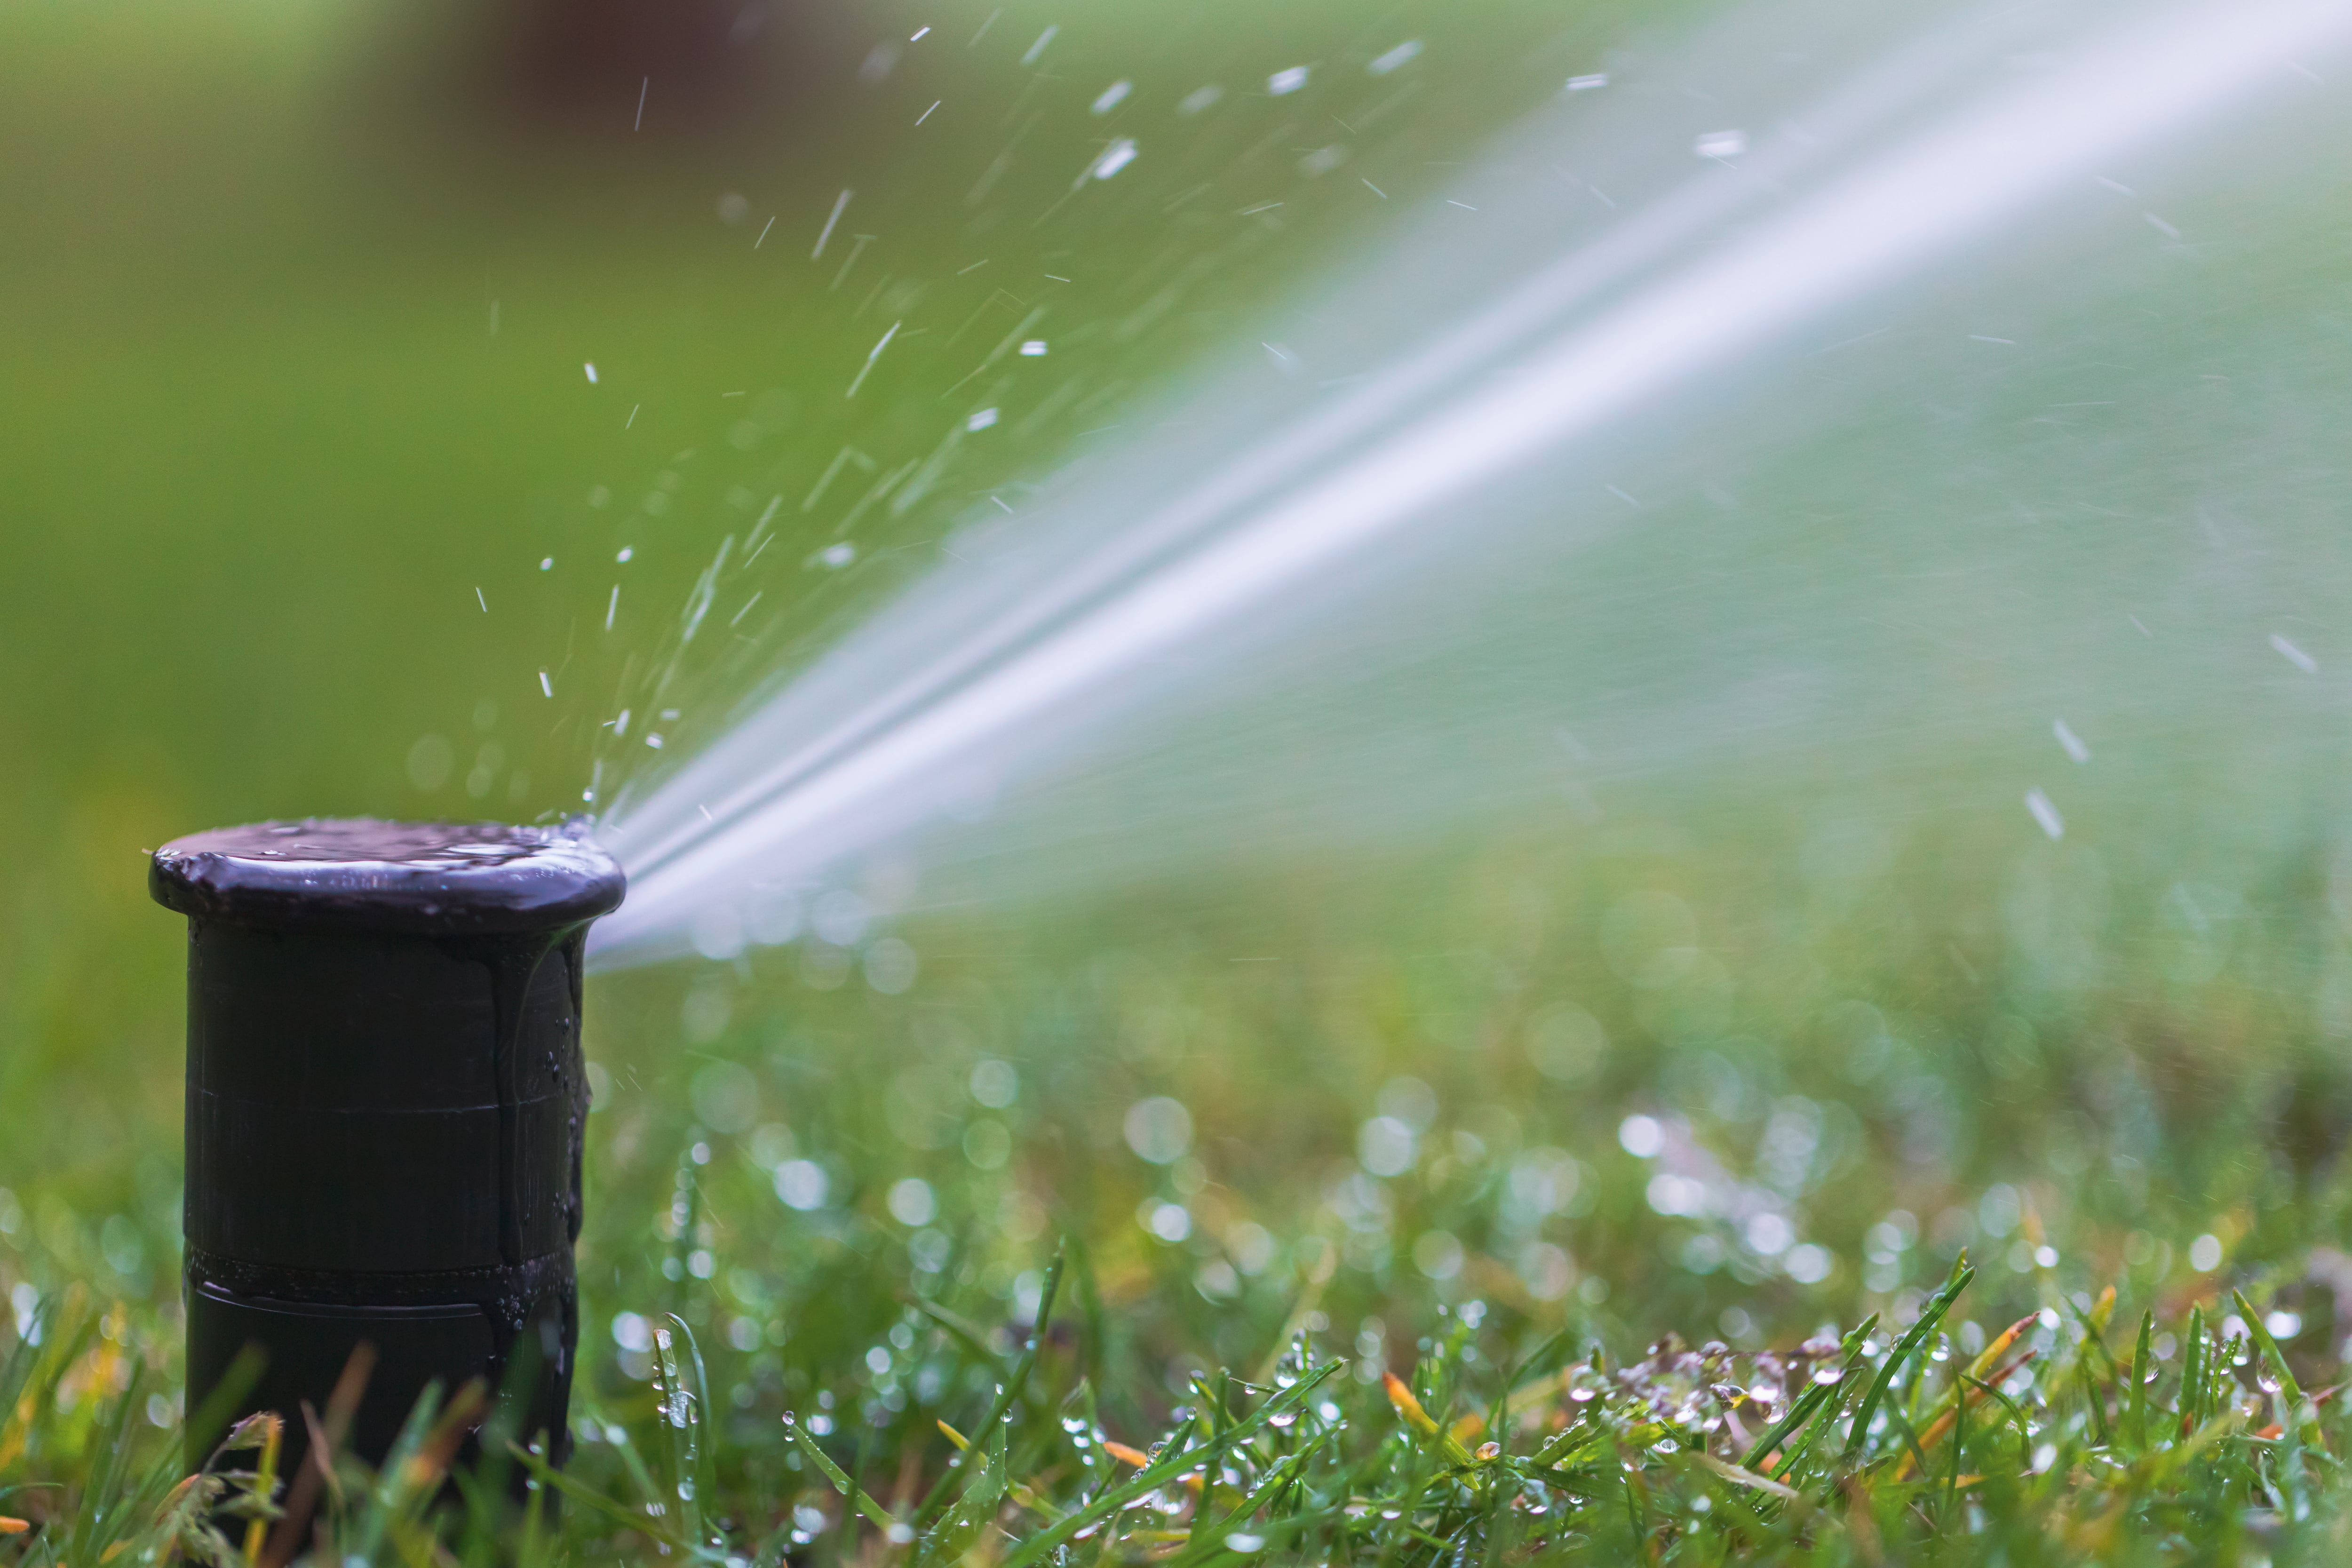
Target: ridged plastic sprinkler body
x,y
386,1103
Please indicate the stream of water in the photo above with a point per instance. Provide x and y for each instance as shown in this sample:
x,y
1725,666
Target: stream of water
x,y
1676,429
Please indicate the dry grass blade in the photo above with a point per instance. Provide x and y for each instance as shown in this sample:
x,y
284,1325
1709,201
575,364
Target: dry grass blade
x,y
1978,1385
321,1456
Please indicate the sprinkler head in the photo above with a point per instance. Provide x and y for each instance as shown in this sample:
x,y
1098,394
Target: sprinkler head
x,y
386,1102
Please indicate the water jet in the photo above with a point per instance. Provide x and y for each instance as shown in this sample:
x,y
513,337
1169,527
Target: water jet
x,y
386,1102
1058,643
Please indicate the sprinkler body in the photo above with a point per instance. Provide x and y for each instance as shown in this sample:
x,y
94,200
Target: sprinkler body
x,y
386,1102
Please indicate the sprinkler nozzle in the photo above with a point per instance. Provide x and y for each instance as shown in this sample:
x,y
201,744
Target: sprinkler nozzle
x,y
387,1104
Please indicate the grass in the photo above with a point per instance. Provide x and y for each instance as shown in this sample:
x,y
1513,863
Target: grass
x,y
2065,1438
1038,1261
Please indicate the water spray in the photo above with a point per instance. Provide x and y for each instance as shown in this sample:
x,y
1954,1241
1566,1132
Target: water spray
x,y
980,678
386,1103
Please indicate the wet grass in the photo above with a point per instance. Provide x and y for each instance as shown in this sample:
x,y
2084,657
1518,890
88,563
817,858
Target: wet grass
x,y
2067,1435
1579,1250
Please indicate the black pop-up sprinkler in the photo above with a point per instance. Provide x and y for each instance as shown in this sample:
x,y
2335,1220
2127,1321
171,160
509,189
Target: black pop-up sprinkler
x,y
386,1103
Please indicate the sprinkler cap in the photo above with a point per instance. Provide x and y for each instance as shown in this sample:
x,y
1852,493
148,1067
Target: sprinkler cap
x,y
360,874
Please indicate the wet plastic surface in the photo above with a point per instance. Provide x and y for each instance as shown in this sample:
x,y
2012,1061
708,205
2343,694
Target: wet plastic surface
x,y
365,874
387,1101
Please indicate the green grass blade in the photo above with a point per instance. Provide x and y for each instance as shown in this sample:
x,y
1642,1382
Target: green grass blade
x,y
1006,1393
2192,1375
2017,1416
1903,1429
686,1407
1166,1467
958,1533
18,1367
536,1466
1498,1429
2299,1412
1205,1541
641,1475
1809,1402
1960,1448
1932,1314
385,1499
2136,1407
889,1522
106,1510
